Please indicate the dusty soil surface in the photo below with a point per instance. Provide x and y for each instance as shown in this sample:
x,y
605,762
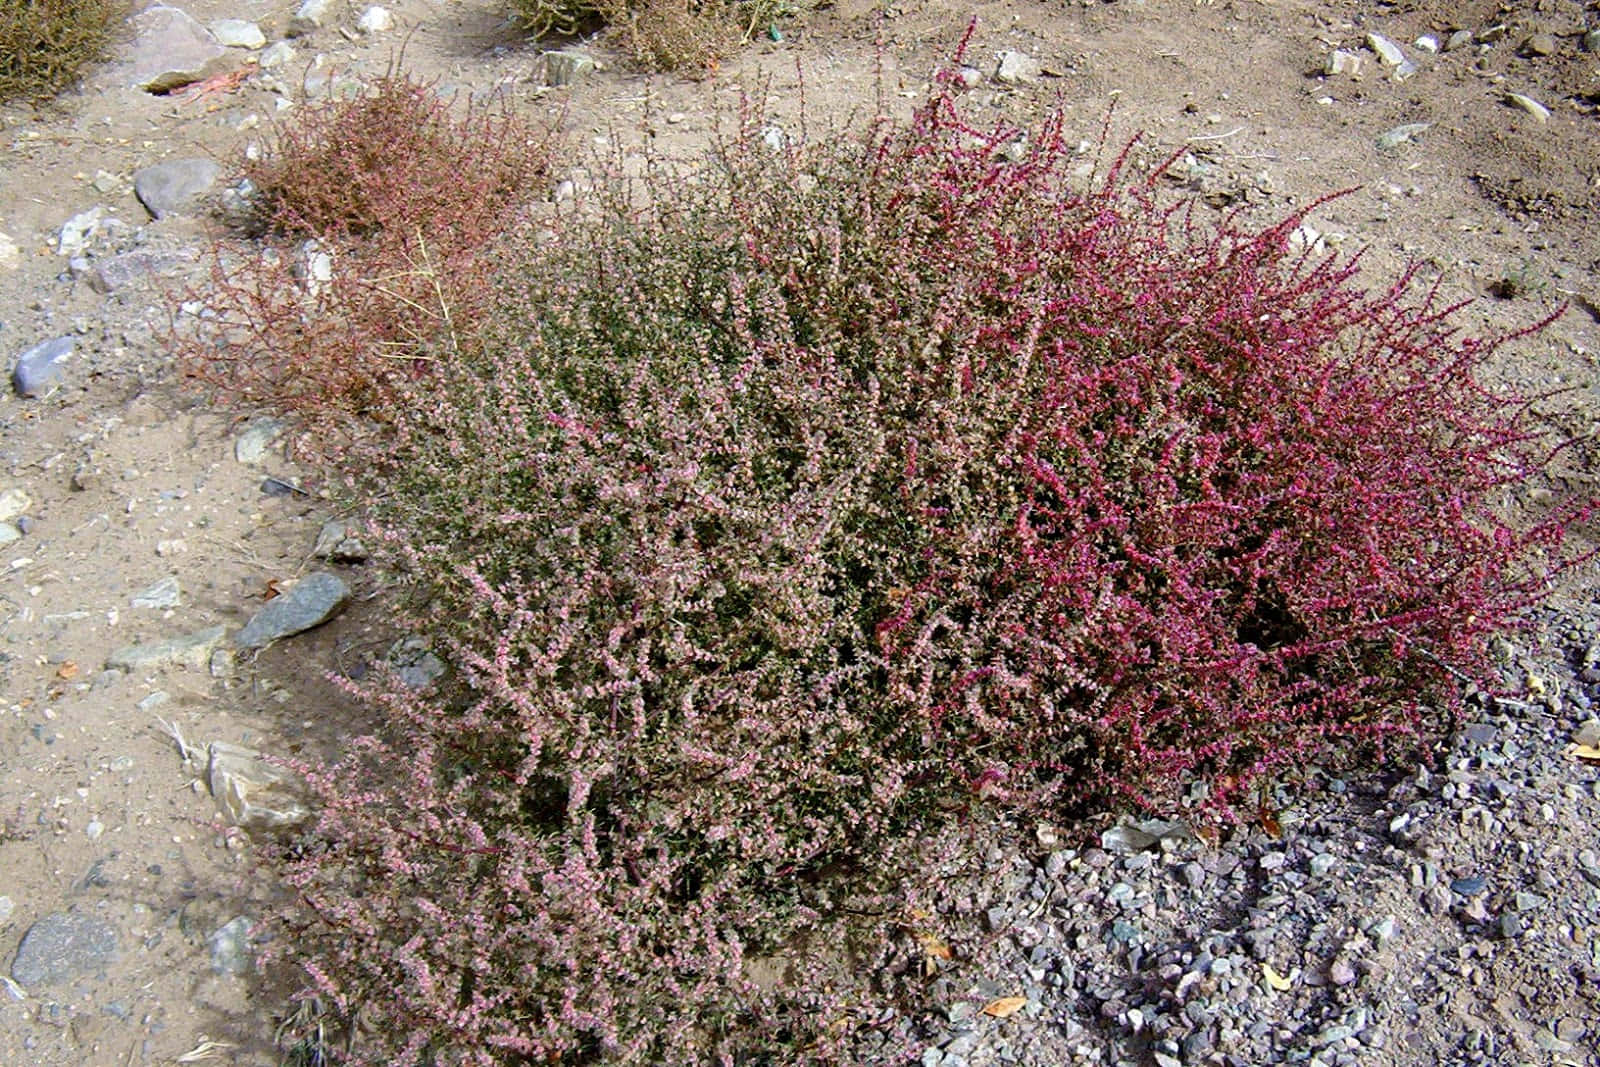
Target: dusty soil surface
x,y
131,480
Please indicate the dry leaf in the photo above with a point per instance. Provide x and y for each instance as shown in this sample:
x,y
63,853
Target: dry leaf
x,y
1269,822
1586,753
1274,979
1005,1007
934,948
67,670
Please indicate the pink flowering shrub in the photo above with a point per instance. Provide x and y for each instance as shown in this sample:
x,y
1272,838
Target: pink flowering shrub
x,y
818,501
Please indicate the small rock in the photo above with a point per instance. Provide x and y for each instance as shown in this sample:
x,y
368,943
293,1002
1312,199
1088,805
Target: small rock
x,y
255,794
1511,925
1458,39
1492,34
77,232
1016,68
1402,134
312,601
375,20
189,650
238,33
1125,838
7,907
62,946
1540,44
9,534
14,502
175,186
1469,886
969,77
1530,105
566,67
1341,973
169,50
1342,62
281,53
230,947
1390,53
164,594
1194,875
39,368
251,446
10,253
1427,43
337,544
1384,931
309,18
415,662
122,270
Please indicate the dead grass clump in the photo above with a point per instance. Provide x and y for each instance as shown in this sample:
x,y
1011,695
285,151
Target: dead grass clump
x,y
45,44
681,35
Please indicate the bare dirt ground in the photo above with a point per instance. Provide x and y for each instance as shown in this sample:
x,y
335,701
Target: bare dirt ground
x,y
130,479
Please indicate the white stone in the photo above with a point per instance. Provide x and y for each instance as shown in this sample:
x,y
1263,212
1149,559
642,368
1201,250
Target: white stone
x,y
14,502
1530,105
279,54
1391,53
238,33
375,20
309,18
1017,67
10,254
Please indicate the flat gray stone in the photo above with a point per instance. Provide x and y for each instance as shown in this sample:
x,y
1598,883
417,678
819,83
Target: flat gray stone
x,y
139,265
164,594
312,601
337,543
169,50
61,946
250,447
230,947
1017,68
175,186
1390,53
189,650
238,33
310,17
40,367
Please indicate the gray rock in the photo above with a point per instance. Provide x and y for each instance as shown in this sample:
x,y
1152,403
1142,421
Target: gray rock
x,y
238,33
564,68
1402,134
164,594
169,50
136,266
174,187
337,544
39,368
62,946
1016,68
230,947
189,650
279,54
1390,53
80,230
14,502
256,795
1342,62
312,601
251,446
415,663
9,533
1458,39
310,17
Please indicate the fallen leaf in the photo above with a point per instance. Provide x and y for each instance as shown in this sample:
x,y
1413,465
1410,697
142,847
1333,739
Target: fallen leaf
x,y
1586,753
1005,1007
1274,979
67,670
934,948
1269,822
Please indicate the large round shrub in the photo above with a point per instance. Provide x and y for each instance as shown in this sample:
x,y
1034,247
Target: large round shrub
x,y
840,491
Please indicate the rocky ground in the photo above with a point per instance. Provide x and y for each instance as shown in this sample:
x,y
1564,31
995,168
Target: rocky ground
x,y
164,563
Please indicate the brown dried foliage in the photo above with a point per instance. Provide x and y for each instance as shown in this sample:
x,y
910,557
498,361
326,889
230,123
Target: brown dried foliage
x,y
45,44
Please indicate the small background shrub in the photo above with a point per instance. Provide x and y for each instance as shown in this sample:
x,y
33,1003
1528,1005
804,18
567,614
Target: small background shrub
x,y
659,34
398,196
840,496
45,44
